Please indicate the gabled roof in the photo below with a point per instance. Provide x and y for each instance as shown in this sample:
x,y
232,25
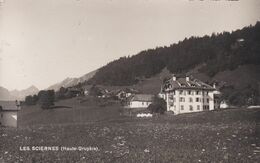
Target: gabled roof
x,y
142,97
183,83
8,106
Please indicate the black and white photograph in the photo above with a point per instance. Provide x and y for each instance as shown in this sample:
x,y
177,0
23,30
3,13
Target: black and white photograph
x,y
129,81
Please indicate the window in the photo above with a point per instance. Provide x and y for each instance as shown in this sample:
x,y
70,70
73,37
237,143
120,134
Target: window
x,y
198,107
142,103
147,103
181,92
171,104
205,107
171,97
189,92
182,107
191,108
197,99
197,92
182,99
207,100
191,99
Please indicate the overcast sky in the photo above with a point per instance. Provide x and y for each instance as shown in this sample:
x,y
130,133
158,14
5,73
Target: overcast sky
x,y
44,41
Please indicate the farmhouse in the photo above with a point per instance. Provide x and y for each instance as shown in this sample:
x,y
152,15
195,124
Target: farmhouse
x,y
140,101
126,93
8,113
184,95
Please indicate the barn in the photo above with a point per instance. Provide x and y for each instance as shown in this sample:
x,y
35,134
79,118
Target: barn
x,y
8,113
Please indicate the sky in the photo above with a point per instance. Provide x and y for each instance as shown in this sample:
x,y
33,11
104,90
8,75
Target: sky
x,y
42,42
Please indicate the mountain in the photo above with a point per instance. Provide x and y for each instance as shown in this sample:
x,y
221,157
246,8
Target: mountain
x,y
68,82
230,59
7,95
215,53
20,95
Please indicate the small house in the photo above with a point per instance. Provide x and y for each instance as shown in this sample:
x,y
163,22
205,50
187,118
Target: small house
x,y
140,101
8,113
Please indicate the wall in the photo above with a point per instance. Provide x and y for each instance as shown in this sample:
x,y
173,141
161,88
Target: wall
x,y
7,118
176,108
139,104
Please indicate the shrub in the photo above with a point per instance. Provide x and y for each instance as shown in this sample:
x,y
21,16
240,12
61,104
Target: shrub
x,y
158,105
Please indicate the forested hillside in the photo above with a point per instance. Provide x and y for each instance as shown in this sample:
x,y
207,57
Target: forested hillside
x,y
219,52
216,53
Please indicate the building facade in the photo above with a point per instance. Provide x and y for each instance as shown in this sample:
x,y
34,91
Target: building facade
x,y
8,113
140,101
184,95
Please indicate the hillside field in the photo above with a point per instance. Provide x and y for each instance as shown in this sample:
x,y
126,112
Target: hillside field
x,y
216,136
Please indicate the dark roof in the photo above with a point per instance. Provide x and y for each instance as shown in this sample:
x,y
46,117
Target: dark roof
x,y
143,97
183,83
8,106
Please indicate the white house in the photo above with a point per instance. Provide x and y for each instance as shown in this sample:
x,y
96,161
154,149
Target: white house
x,y
140,101
185,95
8,113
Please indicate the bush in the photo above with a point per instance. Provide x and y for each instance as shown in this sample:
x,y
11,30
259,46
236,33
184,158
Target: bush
x,y
158,105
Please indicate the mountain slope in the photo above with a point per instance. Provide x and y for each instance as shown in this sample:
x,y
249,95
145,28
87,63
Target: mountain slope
x,y
20,95
68,82
7,95
216,53
230,59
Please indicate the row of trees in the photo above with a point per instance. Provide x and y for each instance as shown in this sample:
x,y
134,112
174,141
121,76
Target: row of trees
x,y
45,98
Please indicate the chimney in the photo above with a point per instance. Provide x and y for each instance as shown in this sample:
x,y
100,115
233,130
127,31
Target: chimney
x,y
187,78
174,78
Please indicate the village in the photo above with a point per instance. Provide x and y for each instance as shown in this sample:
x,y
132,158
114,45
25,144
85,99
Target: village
x,y
181,95
135,81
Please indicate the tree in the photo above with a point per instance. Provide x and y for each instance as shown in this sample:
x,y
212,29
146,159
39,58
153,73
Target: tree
x,y
95,91
61,94
29,100
158,105
46,98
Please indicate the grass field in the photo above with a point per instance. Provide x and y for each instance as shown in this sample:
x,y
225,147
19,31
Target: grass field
x,y
217,136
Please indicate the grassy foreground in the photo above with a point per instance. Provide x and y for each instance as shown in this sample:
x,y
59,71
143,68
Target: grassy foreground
x,y
218,136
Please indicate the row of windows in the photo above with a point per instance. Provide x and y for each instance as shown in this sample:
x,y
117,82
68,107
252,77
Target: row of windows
x,y
182,92
190,92
205,107
182,99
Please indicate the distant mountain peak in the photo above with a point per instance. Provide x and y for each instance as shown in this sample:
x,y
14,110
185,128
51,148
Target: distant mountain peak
x,y
69,81
32,87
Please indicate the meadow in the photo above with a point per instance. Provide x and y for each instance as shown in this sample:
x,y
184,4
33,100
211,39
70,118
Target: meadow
x,y
214,136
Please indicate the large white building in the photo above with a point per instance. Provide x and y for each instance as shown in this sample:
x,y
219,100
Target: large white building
x,y
185,95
